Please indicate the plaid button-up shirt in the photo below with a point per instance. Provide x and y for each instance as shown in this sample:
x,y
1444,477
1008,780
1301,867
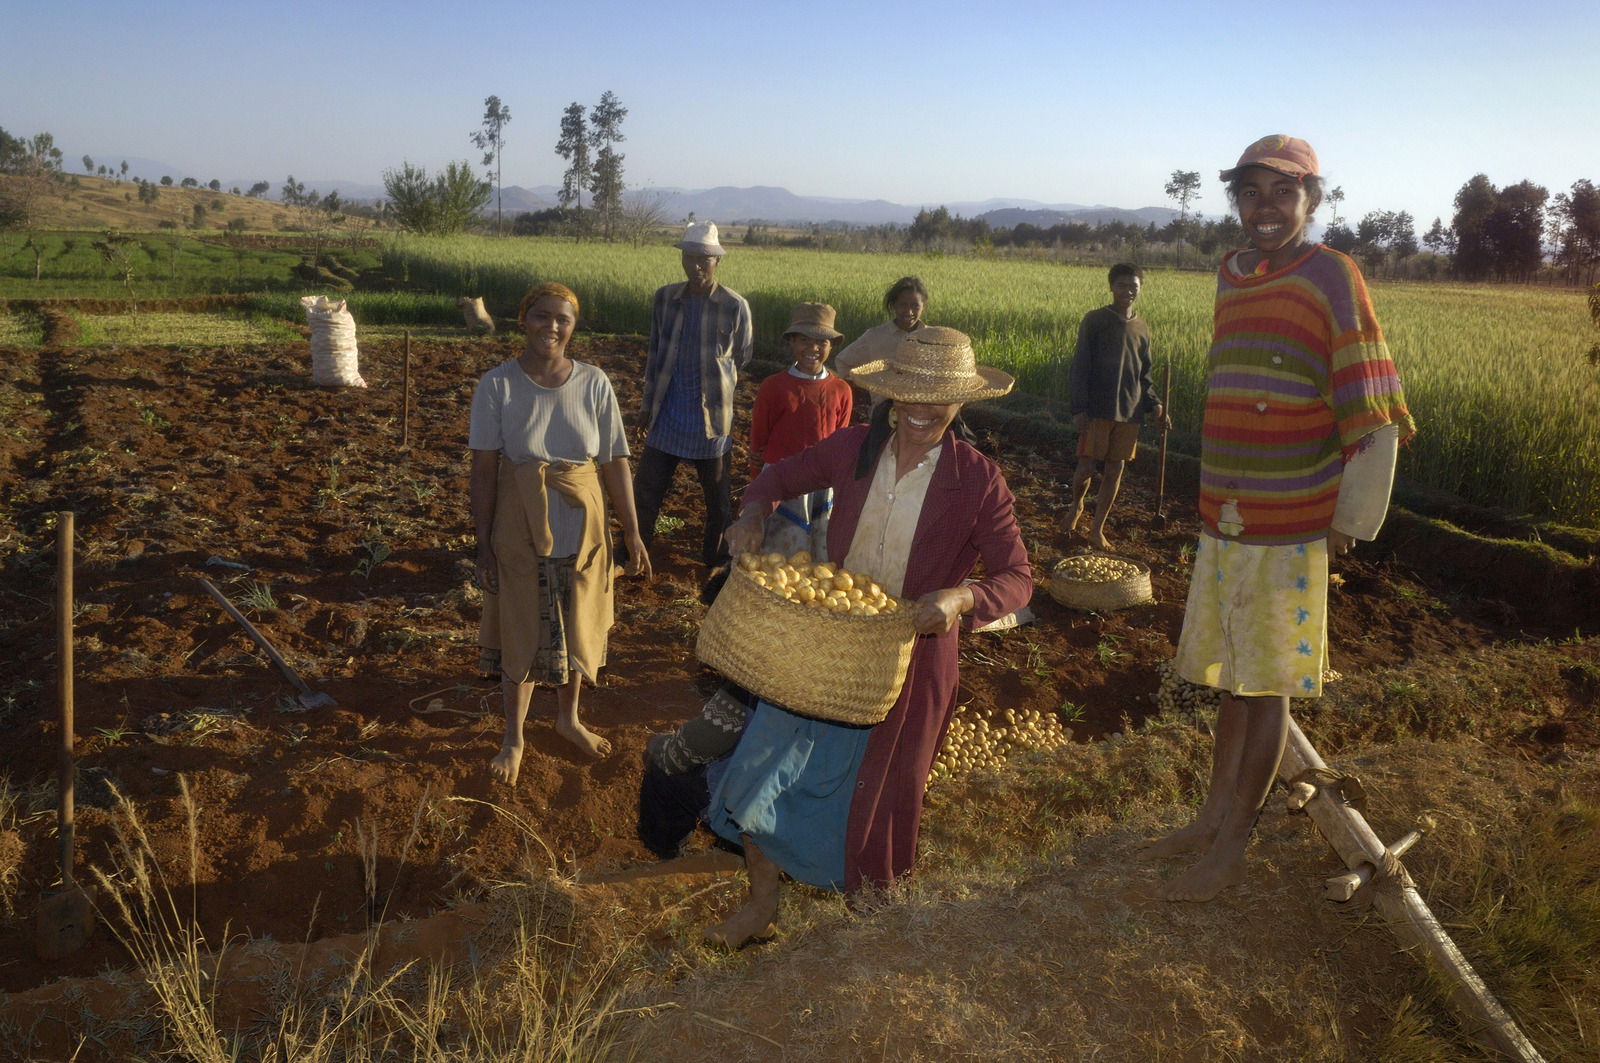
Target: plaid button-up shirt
x,y
727,340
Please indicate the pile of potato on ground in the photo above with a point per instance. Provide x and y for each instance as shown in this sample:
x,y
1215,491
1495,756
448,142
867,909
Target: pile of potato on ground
x,y
820,585
1096,568
983,738
1179,697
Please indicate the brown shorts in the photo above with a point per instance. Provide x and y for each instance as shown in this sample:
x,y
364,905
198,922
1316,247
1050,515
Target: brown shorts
x,y
1107,440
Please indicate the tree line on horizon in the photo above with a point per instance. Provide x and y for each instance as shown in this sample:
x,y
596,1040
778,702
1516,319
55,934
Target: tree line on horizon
x,y
1513,233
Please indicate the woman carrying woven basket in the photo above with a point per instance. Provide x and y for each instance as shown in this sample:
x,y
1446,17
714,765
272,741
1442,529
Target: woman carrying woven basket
x,y
548,448
916,508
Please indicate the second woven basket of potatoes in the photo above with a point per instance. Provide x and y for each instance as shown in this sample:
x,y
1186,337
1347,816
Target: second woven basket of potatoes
x,y
1099,583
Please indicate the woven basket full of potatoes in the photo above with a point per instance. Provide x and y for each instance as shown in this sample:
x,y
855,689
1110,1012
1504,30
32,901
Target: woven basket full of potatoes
x,y
1100,582
812,637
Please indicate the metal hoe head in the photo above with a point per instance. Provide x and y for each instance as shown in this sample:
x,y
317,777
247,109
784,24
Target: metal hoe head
x,y
316,699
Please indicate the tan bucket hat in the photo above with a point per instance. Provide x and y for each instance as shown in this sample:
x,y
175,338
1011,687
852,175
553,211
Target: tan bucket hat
x,y
934,365
814,320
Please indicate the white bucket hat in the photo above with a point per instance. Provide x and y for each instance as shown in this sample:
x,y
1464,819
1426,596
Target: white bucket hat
x,y
700,238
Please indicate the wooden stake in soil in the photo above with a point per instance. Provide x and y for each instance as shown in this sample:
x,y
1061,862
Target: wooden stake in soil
x,y
1403,909
405,408
65,919
1161,475
64,824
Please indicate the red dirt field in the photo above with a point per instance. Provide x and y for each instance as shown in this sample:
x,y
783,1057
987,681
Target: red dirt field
x,y
172,458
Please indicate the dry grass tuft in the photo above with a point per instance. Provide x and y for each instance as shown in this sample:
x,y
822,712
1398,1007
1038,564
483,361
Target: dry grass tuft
x,y
11,857
535,987
12,850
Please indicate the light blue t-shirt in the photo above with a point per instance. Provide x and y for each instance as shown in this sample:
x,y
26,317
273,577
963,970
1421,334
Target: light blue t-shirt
x,y
578,421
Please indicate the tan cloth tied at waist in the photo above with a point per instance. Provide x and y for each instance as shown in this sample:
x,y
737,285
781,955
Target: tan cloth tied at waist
x,y
521,536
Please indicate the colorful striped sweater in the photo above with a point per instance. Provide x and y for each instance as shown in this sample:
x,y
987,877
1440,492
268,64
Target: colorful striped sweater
x,y
1298,376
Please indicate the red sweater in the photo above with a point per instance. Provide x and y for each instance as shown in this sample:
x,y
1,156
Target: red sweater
x,y
793,413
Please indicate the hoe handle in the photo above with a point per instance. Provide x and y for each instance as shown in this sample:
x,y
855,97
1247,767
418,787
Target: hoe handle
x,y
260,640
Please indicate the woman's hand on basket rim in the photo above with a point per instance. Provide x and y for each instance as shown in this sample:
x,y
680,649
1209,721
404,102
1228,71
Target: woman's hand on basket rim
x,y
638,558
745,534
487,570
938,611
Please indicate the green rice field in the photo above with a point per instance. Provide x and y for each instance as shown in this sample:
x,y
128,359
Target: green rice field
x,y
1507,402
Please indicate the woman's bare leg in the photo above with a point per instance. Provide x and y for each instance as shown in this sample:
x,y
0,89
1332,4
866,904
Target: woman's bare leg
x,y
758,917
508,761
1266,730
1226,753
567,723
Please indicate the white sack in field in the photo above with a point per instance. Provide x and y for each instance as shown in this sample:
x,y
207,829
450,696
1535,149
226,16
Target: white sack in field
x,y
473,315
334,356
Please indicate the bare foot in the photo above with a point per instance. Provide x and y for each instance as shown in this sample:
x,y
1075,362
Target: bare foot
x,y
1099,541
506,763
583,738
756,921
1069,519
1214,873
1194,838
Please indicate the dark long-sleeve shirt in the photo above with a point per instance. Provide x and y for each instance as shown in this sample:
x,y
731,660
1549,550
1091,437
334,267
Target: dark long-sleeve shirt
x,y
1111,368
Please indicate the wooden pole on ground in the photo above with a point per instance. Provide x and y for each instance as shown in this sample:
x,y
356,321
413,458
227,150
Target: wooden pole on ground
x,y
1403,909
65,919
64,824
405,407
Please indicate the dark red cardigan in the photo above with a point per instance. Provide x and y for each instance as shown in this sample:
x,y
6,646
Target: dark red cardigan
x,y
966,514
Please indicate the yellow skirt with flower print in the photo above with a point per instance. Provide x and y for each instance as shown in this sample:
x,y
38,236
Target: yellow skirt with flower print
x,y
1257,620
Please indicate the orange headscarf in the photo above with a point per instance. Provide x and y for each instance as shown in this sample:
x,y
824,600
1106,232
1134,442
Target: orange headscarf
x,y
539,291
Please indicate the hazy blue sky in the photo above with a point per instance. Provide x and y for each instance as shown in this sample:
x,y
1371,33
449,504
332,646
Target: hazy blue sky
x,y
916,103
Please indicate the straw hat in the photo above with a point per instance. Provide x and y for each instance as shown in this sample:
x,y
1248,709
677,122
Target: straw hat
x,y
700,238
814,320
934,365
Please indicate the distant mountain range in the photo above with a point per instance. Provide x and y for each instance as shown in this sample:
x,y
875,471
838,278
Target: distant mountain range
x,y
779,206
1011,217
726,204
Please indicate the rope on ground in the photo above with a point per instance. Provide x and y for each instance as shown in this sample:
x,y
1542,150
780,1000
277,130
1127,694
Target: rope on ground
x,y
1390,878
739,1029
436,704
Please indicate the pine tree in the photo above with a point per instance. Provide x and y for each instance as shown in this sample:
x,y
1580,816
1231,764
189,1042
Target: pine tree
x,y
605,132
491,140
